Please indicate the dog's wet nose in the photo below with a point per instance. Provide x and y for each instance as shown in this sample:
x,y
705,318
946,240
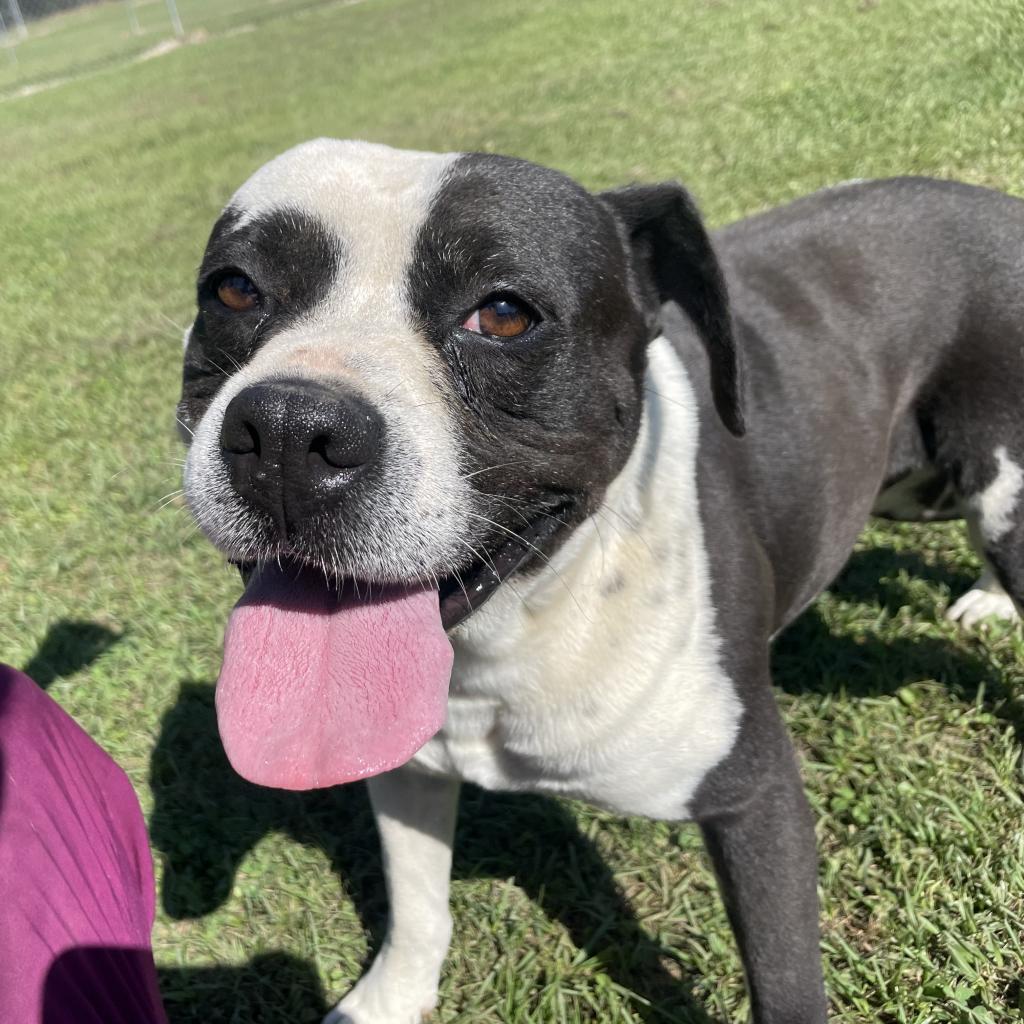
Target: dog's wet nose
x,y
293,447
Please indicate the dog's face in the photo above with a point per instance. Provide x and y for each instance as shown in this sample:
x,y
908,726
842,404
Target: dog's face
x,y
410,377
403,363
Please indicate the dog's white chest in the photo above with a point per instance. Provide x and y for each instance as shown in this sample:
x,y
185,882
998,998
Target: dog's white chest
x,y
599,678
642,749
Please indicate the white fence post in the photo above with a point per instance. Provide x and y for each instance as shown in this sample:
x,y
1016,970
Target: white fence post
x,y
7,41
172,10
19,21
133,18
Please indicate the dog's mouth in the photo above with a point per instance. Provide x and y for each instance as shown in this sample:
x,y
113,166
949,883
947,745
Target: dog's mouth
x,y
464,592
325,682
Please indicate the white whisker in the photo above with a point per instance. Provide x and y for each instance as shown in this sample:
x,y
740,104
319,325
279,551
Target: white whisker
x,y
533,547
488,469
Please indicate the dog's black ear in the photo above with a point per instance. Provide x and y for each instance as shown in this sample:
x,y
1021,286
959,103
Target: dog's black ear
x,y
675,262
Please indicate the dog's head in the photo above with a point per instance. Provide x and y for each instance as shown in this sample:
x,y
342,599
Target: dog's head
x,y
415,374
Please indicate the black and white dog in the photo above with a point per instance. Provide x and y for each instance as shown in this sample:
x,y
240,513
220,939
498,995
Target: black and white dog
x,y
512,513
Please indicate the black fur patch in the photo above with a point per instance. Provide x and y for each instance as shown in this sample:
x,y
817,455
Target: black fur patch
x,y
550,417
291,257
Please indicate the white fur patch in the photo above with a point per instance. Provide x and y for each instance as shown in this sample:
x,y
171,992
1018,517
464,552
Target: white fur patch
x,y
372,197
996,506
985,599
415,816
599,678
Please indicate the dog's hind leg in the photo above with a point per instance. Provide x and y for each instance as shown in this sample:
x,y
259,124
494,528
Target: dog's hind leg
x,y
995,519
415,816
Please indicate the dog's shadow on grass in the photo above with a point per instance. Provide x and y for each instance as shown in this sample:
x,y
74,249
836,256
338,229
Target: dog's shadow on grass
x,y
809,658
206,818
273,988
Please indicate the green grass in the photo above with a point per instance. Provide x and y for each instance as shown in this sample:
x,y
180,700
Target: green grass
x,y
910,730
100,37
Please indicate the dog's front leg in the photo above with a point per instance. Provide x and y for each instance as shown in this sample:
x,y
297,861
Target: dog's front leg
x,y
764,854
416,819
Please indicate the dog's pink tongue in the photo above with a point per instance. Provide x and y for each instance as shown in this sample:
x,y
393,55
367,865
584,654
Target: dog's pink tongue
x,y
318,689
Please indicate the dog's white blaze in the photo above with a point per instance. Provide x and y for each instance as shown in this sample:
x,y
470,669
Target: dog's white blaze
x,y
996,504
599,678
374,200
372,197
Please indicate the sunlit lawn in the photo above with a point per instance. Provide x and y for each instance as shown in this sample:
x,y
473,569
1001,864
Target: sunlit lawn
x,y
270,903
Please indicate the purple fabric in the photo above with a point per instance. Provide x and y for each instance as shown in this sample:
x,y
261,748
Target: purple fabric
x,y
76,878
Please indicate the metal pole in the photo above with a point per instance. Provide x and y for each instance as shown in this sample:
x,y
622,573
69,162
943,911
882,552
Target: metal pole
x,y
172,10
19,21
133,18
5,38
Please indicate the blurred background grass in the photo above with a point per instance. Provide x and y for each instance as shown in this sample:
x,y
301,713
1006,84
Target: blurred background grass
x,y
112,170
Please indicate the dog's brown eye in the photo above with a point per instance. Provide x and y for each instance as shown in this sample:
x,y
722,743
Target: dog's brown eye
x,y
238,293
500,318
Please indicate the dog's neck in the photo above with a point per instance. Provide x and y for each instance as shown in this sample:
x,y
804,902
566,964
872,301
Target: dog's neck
x,y
642,551
608,653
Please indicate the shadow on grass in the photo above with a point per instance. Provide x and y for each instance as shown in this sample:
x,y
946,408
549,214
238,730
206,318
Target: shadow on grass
x,y
117,986
869,576
809,658
206,818
536,840
274,988
68,647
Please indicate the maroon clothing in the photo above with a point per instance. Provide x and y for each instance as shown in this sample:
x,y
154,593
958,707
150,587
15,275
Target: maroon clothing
x,y
76,877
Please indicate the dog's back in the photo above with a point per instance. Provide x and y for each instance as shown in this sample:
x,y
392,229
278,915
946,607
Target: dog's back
x,y
882,328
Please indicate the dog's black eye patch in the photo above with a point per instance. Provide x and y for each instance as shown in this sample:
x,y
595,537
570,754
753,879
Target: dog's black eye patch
x,y
260,274
292,255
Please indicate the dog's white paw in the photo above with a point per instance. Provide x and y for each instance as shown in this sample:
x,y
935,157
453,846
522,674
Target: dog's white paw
x,y
370,1003
986,598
